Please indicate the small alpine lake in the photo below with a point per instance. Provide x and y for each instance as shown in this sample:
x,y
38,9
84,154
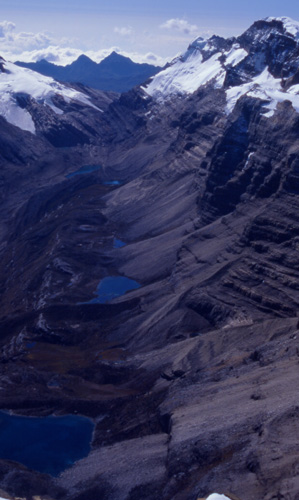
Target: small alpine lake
x,y
89,169
112,183
45,444
118,243
111,287
86,169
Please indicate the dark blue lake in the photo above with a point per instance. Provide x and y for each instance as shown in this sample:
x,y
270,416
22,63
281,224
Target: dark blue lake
x,y
30,345
112,287
118,243
112,183
86,169
46,444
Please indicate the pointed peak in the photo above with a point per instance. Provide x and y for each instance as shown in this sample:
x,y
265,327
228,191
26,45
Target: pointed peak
x,y
115,56
83,60
116,59
83,57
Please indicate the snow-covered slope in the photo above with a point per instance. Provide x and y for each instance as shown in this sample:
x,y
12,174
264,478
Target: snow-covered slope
x,y
216,496
260,63
264,87
187,73
16,82
291,26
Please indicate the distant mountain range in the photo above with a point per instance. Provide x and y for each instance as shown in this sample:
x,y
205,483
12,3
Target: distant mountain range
x,y
115,73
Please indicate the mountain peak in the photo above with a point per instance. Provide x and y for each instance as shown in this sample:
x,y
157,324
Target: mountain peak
x,y
265,30
116,57
262,63
290,25
83,57
83,61
115,54
117,61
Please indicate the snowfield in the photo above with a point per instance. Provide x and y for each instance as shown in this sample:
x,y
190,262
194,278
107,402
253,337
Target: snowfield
x,y
290,25
264,87
186,76
17,81
216,496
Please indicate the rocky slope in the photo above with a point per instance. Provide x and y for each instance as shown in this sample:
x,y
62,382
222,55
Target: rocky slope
x,y
191,378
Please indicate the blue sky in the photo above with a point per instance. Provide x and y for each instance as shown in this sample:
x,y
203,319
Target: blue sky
x,y
160,28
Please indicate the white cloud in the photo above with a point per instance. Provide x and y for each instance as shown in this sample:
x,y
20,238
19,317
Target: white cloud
x,y
148,58
32,47
53,53
6,28
66,55
153,59
180,25
17,42
125,31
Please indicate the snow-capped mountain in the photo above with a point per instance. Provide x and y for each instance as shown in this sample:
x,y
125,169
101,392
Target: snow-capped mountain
x,y
18,85
261,63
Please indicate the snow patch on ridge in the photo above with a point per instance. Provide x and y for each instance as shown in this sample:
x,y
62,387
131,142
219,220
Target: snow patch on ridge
x,y
216,496
186,76
264,87
248,160
15,80
15,115
189,72
290,26
235,56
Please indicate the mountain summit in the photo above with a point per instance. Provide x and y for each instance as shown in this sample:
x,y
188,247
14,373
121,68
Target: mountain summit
x,y
262,63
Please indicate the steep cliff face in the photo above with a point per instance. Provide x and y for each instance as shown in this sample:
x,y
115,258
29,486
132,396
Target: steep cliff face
x,y
188,187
